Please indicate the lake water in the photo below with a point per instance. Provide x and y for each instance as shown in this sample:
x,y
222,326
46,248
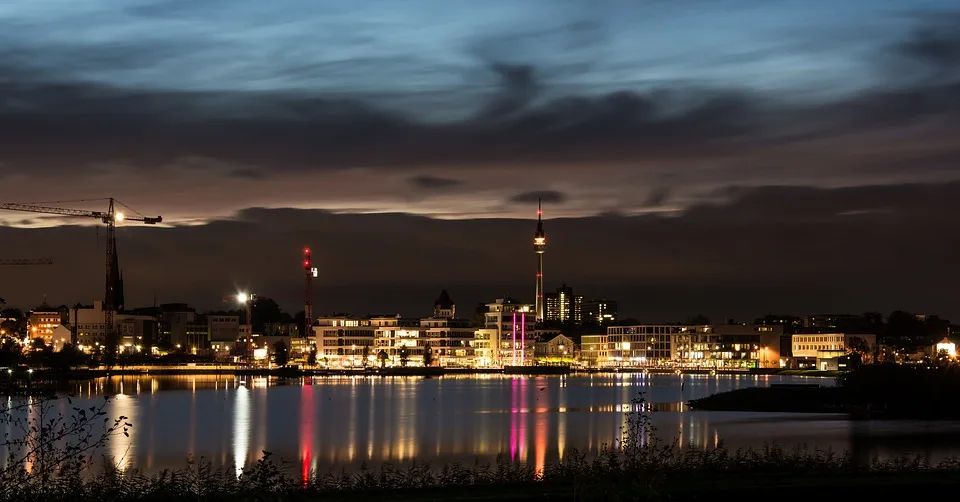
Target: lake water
x,y
319,424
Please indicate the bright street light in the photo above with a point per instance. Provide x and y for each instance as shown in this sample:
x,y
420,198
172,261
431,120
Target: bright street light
x,y
242,297
118,217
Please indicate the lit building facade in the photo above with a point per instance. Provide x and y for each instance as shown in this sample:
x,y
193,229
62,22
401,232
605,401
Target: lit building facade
x,y
564,306
559,348
224,328
450,340
673,346
400,339
600,311
507,337
90,324
43,321
342,341
824,350
135,332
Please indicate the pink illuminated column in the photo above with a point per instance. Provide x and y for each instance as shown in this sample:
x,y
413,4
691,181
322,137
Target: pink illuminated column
x,y
523,337
513,345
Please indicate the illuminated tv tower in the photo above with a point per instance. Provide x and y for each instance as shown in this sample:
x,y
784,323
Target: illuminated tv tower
x,y
539,245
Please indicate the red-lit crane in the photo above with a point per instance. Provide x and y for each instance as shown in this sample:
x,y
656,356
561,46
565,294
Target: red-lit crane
x,y
110,218
311,273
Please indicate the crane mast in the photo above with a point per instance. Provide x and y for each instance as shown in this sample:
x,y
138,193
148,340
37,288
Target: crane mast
x,y
110,218
26,261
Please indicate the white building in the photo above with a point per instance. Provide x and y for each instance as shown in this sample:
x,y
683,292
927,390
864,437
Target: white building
x,y
134,332
90,324
402,340
556,348
42,321
450,340
507,337
224,328
341,340
825,349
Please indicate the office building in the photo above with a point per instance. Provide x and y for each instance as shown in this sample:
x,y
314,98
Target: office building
x,y
507,337
674,346
600,311
564,306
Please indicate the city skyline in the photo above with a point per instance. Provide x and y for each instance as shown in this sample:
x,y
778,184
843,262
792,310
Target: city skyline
x,y
784,157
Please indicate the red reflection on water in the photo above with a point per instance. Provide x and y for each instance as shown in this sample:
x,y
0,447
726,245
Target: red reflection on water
x,y
306,431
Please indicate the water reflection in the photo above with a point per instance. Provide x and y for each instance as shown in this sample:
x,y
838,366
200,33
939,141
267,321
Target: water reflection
x,y
341,422
123,445
241,428
306,431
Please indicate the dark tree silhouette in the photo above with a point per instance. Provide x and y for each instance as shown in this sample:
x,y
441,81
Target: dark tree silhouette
x,y
698,319
427,356
365,354
10,353
68,357
264,310
404,356
280,355
312,358
111,347
382,357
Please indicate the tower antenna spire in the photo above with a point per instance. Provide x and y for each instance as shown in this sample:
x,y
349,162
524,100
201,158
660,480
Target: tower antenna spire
x,y
539,246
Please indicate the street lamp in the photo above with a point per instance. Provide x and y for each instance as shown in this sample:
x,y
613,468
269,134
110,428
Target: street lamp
x,y
247,300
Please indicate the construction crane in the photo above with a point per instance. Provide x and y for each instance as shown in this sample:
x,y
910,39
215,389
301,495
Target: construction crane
x,y
110,218
26,261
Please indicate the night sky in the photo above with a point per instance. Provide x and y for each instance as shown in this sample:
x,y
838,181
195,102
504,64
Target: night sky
x,y
725,157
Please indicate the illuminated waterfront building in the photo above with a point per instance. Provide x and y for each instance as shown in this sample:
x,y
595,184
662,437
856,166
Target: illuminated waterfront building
x,y
507,337
825,350
732,346
43,321
341,340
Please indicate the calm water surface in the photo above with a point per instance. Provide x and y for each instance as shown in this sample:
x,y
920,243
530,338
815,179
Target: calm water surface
x,y
342,422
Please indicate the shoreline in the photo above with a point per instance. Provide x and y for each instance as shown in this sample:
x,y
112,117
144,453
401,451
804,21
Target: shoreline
x,y
294,372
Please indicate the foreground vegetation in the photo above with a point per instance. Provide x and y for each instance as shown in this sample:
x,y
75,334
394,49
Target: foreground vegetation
x,y
872,391
52,462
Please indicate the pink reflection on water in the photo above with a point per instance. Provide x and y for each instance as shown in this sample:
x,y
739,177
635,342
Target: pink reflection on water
x,y
514,412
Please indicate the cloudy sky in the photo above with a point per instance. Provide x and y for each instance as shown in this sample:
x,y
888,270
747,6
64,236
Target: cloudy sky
x,y
729,157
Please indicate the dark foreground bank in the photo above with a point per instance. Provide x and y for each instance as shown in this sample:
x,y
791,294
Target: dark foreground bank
x,y
51,462
887,392
653,474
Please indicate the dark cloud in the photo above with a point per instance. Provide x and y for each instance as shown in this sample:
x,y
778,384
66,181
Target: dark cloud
x,y
433,182
520,122
657,197
769,249
249,173
547,196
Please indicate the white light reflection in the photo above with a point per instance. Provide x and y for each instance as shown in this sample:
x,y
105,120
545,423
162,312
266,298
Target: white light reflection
x,y
122,445
370,422
241,428
562,420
